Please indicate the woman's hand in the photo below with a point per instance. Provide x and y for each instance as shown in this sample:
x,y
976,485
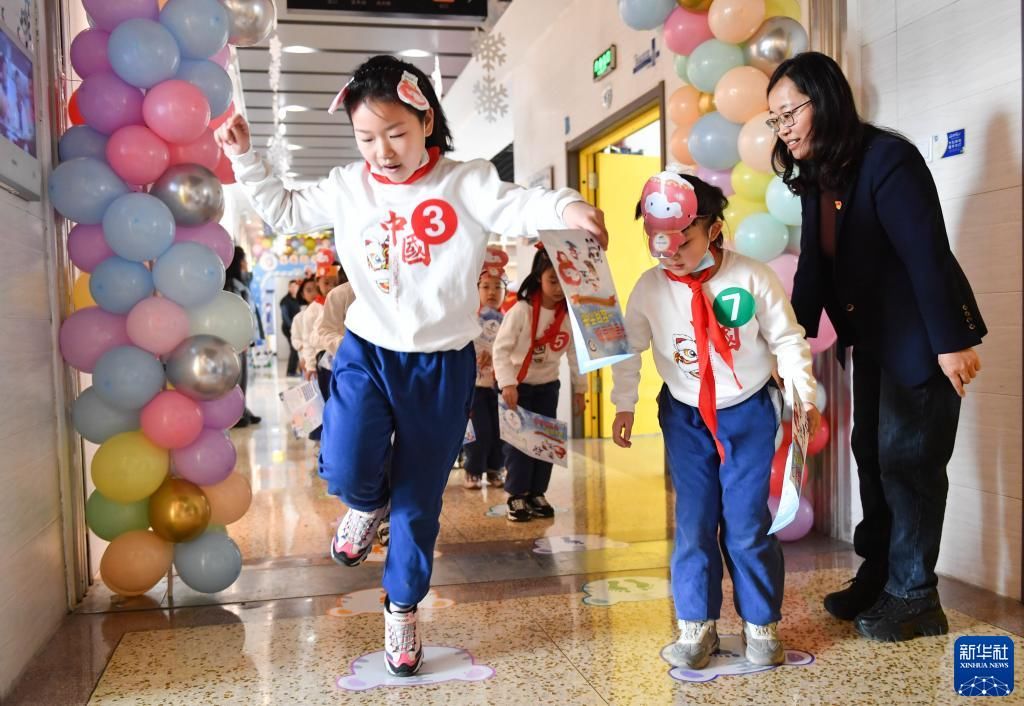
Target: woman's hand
x,y
622,429
233,136
511,396
580,215
960,368
579,403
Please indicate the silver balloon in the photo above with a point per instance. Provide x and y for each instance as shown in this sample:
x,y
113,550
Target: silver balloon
x,y
192,192
203,367
249,21
777,39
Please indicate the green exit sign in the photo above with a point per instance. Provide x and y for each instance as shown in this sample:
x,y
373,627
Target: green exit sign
x,y
604,64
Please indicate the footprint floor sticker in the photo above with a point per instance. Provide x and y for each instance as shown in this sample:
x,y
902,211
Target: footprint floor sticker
x,y
729,661
371,600
606,592
440,664
575,543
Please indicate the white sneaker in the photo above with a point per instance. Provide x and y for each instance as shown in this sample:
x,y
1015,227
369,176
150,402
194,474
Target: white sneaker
x,y
762,644
403,653
698,640
354,537
472,482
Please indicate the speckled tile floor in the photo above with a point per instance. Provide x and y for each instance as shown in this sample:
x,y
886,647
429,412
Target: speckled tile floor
x,y
505,624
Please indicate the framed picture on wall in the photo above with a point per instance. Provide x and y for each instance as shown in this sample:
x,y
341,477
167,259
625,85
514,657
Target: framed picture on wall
x,y
545,178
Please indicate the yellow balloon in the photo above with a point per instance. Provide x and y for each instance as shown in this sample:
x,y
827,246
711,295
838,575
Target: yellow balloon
x,y
749,183
178,511
134,562
706,103
698,5
782,8
738,209
81,297
128,467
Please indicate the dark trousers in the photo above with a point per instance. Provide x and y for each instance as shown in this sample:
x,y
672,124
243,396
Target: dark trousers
x,y
902,440
293,355
527,475
484,454
323,381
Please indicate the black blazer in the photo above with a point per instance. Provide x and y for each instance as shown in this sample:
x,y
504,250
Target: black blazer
x,y
895,288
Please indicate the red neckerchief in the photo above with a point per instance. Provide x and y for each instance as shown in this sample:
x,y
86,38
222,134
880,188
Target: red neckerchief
x,y
550,334
433,155
320,299
704,323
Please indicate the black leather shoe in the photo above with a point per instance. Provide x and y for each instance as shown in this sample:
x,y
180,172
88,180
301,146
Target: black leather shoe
x,y
895,619
859,595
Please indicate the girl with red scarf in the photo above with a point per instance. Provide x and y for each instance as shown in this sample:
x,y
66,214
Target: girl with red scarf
x,y
527,354
718,323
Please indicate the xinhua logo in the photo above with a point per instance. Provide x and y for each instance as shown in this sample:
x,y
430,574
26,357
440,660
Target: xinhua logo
x,y
983,666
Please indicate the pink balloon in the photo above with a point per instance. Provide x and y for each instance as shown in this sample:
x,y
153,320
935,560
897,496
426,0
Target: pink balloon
x,y
720,178
108,14
157,325
203,151
820,439
686,30
206,461
801,524
171,421
89,52
212,235
177,111
224,171
108,103
785,268
225,411
89,333
222,57
826,335
87,247
137,154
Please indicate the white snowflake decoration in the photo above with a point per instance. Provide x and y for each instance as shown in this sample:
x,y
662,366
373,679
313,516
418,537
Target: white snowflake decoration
x,y
491,97
489,49
274,72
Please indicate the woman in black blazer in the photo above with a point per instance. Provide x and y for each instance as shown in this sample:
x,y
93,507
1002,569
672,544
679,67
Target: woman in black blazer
x,y
875,256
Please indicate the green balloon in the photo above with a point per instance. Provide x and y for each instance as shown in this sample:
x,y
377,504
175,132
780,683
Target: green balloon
x,y
681,67
216,528
108,519
710,61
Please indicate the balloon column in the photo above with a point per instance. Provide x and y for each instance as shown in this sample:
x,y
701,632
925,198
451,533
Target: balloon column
x,y
725,51
152,324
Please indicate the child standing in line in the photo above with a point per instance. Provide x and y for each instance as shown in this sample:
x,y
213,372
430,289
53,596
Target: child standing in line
x,y
718,322
411,229
308,292
484,455
527,352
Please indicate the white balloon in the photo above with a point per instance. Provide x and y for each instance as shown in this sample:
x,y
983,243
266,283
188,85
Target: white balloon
x,y
226,316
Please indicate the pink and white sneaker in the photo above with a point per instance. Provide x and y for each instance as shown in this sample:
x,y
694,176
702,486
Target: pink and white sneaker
x,y
354,537
403,653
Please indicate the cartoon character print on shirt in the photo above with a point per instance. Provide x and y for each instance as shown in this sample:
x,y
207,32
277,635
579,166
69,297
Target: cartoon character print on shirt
x,y
378,257
685,354
490,322
432,223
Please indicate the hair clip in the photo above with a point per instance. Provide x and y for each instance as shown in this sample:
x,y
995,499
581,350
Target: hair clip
x,y
409,92
340,98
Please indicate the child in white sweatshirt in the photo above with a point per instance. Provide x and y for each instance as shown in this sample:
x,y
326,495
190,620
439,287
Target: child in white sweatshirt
x,y
719,323
527,352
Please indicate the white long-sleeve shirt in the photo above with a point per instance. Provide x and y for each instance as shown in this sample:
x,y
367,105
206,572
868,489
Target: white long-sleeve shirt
x,y
744,291
304,327
412,251
331,328
514,340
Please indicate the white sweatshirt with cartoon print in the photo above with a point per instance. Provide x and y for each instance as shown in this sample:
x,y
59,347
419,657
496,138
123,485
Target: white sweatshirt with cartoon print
x,y
755,315
412,251
513,342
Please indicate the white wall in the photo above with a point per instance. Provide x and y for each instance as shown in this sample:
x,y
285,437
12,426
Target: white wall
x,y
928,68
32,581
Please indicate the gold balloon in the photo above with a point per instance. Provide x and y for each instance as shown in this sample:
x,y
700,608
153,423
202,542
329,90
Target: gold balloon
x,y
706,104
698,5
179,511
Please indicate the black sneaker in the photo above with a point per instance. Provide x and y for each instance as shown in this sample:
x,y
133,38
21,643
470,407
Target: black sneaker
x,y
539,506
859,595
518,510
895,619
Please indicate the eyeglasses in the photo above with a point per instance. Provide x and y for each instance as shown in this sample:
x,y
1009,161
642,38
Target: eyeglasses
x,y
786,119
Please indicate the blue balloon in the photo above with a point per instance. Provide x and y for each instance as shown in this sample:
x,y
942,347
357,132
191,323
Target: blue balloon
x,y
782,203
97,421
188,274
82,188
208,564
713,142
82,141
645,14
211,79
143,53
762,237
138,227
117,284
710,61
200,26
127,377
